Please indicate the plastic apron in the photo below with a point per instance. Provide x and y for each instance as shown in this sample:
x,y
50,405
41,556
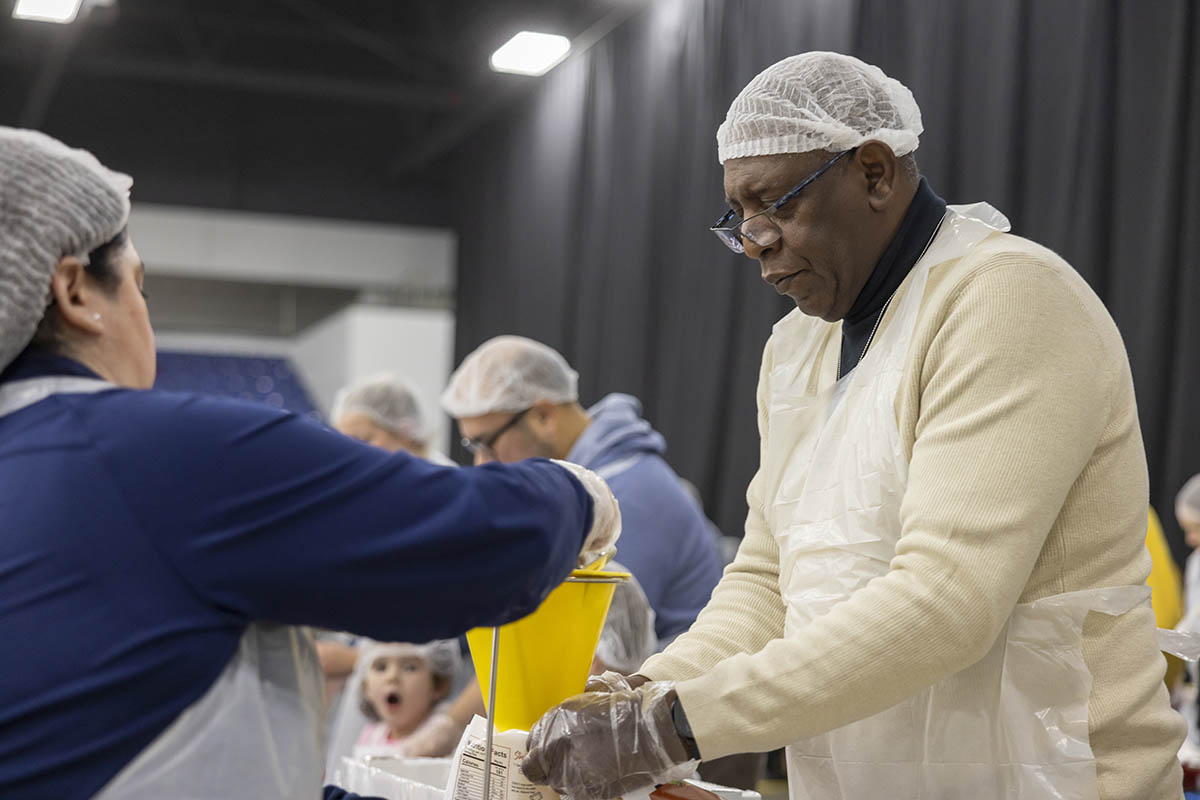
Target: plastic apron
x,y
1014,725
257,731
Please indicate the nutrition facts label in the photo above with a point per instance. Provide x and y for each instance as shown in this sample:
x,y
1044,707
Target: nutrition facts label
x,y
508,782
470,772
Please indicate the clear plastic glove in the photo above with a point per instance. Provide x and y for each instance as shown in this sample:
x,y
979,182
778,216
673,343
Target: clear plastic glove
x,y
606,514
437,736
598,746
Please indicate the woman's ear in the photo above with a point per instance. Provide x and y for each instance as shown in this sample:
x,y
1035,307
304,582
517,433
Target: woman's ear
x,y
71,292
441,687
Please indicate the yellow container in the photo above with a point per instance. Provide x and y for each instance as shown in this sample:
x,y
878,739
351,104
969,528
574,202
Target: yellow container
x,y
546,656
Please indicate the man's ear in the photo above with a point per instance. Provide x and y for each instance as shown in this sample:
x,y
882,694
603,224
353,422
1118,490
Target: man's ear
x,y
882,171
71,292
545,416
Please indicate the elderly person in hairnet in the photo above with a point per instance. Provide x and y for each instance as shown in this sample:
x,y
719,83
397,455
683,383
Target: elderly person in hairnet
x,y
383,411
158,547
941,592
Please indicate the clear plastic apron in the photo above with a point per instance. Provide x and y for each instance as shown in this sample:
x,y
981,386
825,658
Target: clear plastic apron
x,y
1012,726
256,732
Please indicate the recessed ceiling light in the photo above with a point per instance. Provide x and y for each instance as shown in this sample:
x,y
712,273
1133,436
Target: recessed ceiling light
x,y
530,53
47,10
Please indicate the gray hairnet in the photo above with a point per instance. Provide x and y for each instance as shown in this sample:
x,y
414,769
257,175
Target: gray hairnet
x,y
1187,502
509,373
442,655
387,401
819,101
55,201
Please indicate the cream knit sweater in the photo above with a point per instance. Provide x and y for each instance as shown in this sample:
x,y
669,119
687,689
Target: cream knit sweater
x,y
1027,479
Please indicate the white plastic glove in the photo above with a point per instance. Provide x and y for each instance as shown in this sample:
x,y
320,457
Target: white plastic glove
x,y
606,514
437,736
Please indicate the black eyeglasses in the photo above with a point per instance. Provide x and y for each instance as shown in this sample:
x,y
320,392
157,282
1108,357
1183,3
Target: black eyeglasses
x,y
731,235
485,445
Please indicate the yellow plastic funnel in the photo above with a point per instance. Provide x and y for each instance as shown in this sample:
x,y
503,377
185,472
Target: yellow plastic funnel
x,y
545,657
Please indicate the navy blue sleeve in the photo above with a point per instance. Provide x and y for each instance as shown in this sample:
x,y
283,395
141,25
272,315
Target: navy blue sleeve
x,y
270,516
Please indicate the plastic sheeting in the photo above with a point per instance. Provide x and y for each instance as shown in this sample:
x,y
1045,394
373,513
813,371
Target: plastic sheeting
x,y
627,639
255,733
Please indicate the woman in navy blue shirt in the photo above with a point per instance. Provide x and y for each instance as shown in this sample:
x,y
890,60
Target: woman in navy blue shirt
x,y
157,549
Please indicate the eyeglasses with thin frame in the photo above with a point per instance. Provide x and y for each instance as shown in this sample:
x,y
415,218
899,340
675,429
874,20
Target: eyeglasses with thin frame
x,y
731,235
486,445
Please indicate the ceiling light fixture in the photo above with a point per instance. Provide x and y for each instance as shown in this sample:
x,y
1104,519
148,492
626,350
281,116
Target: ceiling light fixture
x,y
62,11
530,53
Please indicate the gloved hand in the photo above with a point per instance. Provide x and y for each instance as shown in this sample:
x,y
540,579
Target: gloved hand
x,y
614,682
437,736
606,514
598,746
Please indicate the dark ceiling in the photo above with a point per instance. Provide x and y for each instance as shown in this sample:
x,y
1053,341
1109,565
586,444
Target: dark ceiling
x,y
338,108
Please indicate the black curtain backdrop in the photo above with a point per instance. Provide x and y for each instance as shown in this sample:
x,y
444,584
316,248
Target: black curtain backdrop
x,y
583,212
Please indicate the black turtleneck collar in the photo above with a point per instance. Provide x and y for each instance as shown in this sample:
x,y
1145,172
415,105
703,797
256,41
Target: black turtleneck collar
x,y
916,229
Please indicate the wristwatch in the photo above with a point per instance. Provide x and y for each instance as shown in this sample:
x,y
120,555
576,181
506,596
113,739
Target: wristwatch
x,y
684,729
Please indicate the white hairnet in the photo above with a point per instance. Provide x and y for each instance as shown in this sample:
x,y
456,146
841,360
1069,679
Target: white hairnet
x,y
509,373
819,101
443,657
55,201
628,638
387,401
1187,502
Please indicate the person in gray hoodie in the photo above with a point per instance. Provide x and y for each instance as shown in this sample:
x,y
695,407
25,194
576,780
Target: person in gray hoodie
x,y
515,398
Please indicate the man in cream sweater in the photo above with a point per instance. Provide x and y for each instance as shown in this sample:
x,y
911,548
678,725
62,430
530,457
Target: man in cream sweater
x,y
941,590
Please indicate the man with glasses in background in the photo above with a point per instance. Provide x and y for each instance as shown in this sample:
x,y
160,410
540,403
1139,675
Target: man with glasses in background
x,y
941,590
515,398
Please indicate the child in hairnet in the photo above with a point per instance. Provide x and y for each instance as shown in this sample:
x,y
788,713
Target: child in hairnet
x,y
394,690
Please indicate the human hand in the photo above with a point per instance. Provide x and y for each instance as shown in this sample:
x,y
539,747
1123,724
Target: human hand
x,y
337,659
614,682
597,746
606,514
